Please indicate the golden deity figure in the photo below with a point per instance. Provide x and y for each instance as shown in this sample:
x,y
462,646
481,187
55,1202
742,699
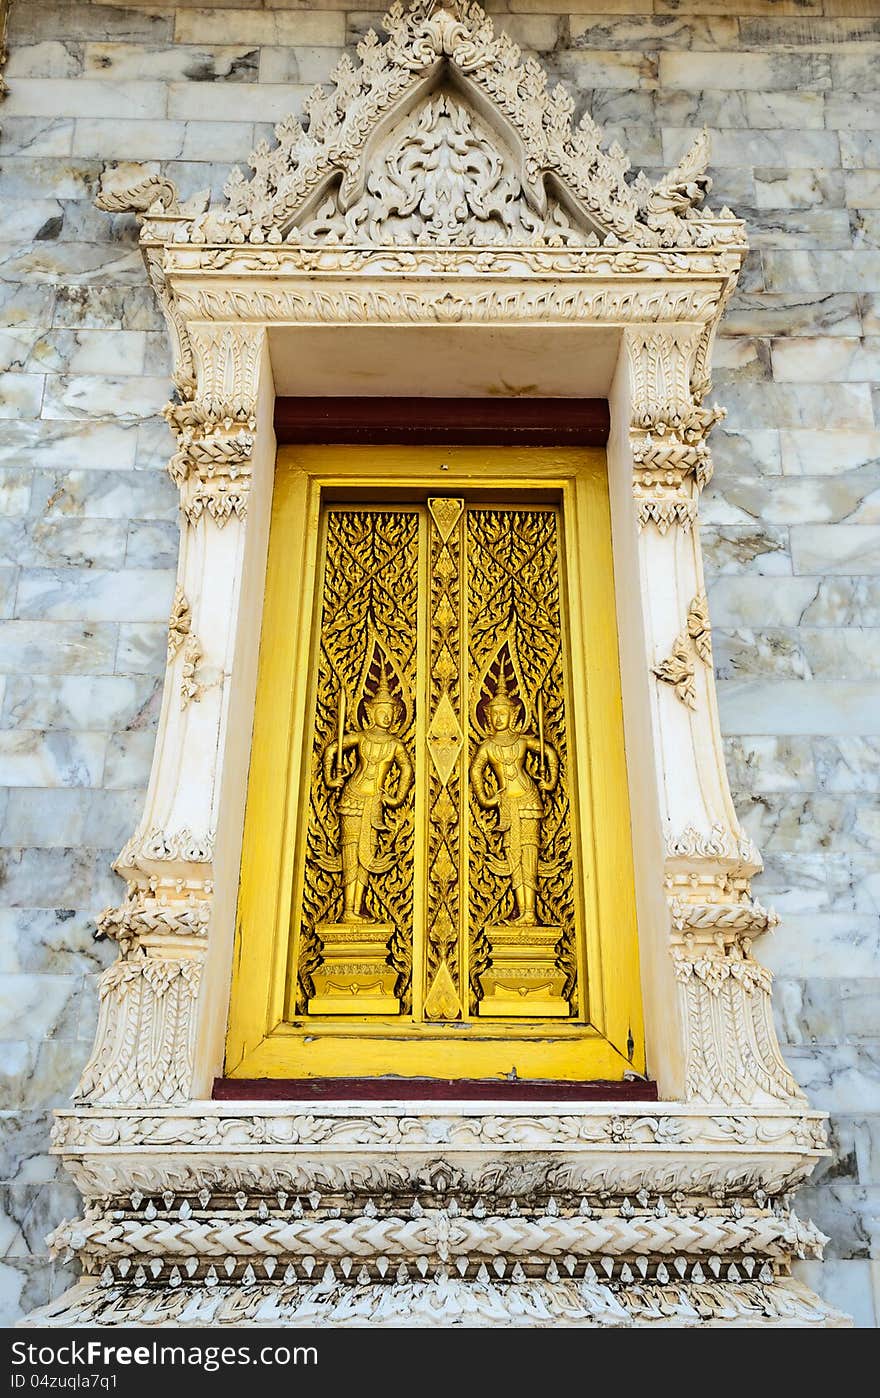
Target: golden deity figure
x,y
502,782
367,791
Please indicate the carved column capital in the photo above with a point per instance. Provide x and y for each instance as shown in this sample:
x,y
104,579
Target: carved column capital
x,y
213,417
670,425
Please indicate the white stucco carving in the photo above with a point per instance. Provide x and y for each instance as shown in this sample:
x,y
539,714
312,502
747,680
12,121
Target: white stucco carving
x,y
439,183
442,180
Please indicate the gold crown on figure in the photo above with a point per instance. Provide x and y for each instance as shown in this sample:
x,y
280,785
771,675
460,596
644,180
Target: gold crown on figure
x,y
502,694
383,693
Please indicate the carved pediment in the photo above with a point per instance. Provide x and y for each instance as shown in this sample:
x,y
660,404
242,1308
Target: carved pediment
x,y
443,133
441,178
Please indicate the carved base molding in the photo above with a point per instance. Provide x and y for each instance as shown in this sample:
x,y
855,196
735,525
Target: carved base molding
x,y
418,1305
427,1214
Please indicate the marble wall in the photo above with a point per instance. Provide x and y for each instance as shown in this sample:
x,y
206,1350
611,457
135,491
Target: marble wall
x,y
791,526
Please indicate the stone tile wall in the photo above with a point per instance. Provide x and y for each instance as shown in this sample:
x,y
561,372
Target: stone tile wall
x,y
88,526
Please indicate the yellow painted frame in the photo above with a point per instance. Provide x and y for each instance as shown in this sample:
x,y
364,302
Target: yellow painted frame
x,y
261,1043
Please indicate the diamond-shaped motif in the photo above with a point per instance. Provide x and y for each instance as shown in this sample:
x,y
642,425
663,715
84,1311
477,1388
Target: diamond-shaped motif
x,y
444,567
446,515
445,668
444,617
444,870
445,739
444,931
445,810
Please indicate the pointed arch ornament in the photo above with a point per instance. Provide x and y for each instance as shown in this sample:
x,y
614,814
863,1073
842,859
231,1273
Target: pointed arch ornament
x,y
440,182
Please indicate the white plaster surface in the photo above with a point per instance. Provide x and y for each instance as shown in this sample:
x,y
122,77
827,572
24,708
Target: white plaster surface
x,y
792,520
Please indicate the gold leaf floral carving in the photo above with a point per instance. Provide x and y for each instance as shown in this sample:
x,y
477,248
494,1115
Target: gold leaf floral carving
x,y
367,639
515,630
445,742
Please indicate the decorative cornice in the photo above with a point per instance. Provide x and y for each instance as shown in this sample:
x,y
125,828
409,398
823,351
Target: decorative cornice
x,y
625,1241
374,1196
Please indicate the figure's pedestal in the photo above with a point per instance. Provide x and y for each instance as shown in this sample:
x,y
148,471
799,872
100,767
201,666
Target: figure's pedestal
x,y
354,977
523,978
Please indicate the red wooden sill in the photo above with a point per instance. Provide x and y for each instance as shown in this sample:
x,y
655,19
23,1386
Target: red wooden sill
x,y
428,1089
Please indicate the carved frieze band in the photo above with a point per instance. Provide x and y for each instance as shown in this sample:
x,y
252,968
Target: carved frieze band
x,y
154,914
564,1235
739,921
450,1301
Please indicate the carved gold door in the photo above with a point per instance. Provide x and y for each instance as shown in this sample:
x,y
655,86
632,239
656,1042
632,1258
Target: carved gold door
x,y
436,873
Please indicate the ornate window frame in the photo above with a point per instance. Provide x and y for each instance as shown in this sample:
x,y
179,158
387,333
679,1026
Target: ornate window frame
x,y
199,1211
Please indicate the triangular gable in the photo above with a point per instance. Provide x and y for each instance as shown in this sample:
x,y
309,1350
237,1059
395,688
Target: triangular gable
x,y
564,185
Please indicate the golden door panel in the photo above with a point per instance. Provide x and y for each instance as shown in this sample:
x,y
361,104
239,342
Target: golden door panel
x,y
426,889
355,926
